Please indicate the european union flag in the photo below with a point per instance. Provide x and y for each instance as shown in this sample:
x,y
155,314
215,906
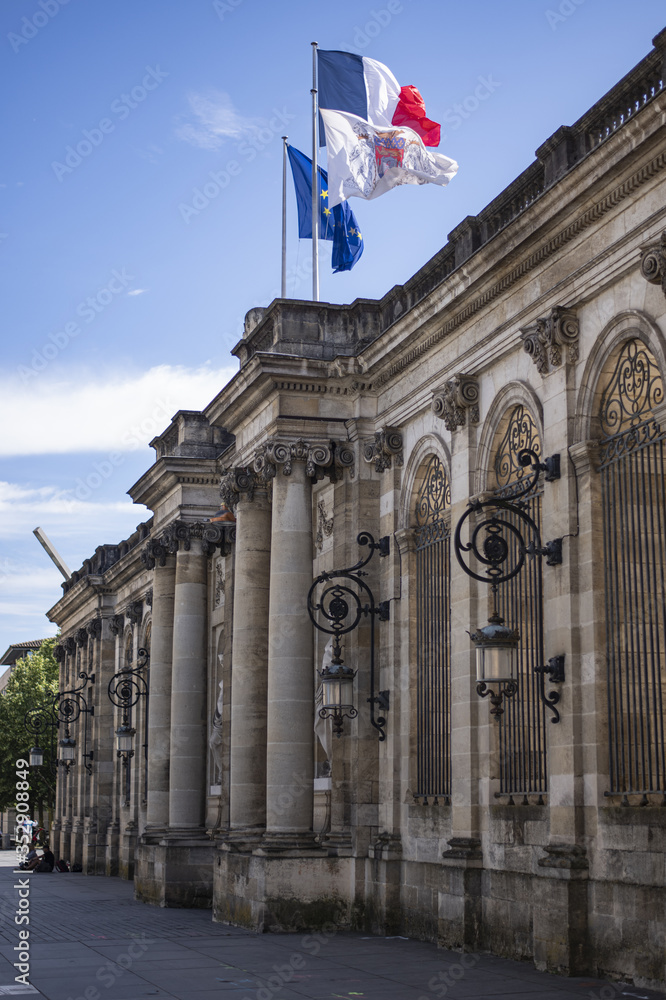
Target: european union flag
x,y
337,224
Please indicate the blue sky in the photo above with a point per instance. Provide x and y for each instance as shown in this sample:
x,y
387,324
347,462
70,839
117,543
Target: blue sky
x,y
120,306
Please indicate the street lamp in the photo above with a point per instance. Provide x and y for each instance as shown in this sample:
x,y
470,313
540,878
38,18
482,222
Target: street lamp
x,y
337,682
67,748
498,544
125,735
125,689
337,602
65,708
496,647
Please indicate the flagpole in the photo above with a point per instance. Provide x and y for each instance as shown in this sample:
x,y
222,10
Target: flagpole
x,y
284,217
315,178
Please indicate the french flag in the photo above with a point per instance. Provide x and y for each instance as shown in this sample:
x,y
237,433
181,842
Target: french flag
x,y
366,88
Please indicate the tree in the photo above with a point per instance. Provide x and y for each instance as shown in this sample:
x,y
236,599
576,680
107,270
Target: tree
x,y
31,687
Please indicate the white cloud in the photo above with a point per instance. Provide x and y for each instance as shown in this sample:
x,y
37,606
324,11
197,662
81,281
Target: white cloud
x,y
137,291
23,508
65,414
215,120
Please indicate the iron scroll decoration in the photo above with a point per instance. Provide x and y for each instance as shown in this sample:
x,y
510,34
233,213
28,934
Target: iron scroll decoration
x,y
125,689
493,550
65,708
489,545
337,602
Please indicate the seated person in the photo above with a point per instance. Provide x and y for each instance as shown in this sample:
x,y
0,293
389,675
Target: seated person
x,y
47,860
31,861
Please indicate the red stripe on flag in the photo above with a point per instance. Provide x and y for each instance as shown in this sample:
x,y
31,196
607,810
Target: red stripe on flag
x,y
411,112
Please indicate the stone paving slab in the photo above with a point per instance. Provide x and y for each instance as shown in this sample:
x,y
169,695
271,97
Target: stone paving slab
x,y
91,940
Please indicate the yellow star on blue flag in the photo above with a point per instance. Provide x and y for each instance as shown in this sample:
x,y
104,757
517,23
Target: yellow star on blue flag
x,y
337,224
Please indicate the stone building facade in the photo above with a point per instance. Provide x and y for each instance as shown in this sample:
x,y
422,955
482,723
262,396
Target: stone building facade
x,y
538,833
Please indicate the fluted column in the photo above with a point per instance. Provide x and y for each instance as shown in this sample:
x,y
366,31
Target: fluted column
x,y
289,772
247,792
187,771
159,705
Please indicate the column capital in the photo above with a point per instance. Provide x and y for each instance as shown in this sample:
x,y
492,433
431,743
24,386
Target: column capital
x,y
457,401
155,552
134,612
81,637
240,482
180,534
385,449
653,262
116,623
546,338
317,457
94,628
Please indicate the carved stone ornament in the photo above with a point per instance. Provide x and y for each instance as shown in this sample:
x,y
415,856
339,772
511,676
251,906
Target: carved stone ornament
x,y
343,457
94,628
116,623
154,552
149,597
59,653
274,453
179,535
546,338
70,646
134,612
219,583
324,525
653,263
81,637
385,449
457,400
239,483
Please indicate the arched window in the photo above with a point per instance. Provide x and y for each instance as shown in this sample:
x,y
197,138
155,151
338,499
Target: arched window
x,y
632,467
433,638
522,738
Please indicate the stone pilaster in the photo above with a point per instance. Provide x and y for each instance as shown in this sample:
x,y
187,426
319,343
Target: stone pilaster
x,y
247,492
289,773
187,771
159,721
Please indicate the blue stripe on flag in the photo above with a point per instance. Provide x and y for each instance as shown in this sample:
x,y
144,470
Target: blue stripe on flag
x,y
341,85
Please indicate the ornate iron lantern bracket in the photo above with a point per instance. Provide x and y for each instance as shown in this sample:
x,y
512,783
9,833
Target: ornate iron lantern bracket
x,y
125,689
337,602
66,708
499,544
555,670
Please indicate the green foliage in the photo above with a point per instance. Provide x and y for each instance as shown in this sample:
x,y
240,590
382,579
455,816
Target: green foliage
x,y
31,686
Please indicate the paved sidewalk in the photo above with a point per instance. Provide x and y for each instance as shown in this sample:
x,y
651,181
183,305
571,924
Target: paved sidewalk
x,y
90,940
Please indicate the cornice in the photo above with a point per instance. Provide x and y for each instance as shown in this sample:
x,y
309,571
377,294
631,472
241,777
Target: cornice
x,y
527,264
79,604
382,365
167,473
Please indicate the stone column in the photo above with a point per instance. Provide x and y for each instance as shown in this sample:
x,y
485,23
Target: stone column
x,y
159,705
289,770
103,746
187,771
247,805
